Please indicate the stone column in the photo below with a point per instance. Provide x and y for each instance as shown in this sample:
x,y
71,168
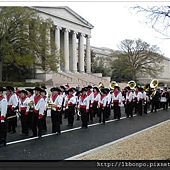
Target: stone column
x,y
66,50
57,43
88,55
81,53
74,52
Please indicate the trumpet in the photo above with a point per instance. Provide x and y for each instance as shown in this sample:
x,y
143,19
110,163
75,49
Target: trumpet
x,y
51,105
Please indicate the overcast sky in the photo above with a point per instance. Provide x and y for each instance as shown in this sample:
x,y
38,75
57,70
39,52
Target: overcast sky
x,y
112,21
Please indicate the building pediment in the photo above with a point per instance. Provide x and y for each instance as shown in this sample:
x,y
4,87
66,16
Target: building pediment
x,y
65,13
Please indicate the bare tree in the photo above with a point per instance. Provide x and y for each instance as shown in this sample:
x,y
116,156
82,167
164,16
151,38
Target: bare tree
x,y
158,17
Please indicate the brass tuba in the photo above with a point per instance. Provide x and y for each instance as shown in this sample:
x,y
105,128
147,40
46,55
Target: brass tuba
x,y
147,87
154,83
132,84
113,84
101,85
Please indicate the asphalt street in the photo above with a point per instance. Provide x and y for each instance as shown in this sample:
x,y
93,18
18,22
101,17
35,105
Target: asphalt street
x,y
75,141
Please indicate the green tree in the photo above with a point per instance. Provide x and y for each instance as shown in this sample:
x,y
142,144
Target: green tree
x,y
23,43
102,65
136,57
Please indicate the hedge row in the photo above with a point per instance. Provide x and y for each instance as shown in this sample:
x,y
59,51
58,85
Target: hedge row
x,y
20,84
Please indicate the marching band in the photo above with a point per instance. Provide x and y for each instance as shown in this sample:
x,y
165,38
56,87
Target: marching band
x,y
31,106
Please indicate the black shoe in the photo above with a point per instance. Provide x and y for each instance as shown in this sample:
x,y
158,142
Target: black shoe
x,y
58,133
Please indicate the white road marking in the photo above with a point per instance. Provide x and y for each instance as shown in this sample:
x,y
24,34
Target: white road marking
x,y
108,144
64,131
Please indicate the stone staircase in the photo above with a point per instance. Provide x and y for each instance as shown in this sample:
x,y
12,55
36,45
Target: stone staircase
x,y
79,79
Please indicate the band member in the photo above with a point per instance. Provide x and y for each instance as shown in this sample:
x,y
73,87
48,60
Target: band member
x,y
12,100
83,106
63,94
30,98
138,101
56,106
108,98
38,112
69,107
23,111
145,100
116,100
3,112
165,94
96,101
155,97
44,88
78,95
129,102
103,103
44,124
90,94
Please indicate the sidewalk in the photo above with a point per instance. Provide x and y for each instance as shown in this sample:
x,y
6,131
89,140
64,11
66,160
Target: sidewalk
x,y
152,144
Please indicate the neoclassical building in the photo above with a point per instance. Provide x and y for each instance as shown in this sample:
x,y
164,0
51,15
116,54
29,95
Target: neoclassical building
x,y
70,29
72,37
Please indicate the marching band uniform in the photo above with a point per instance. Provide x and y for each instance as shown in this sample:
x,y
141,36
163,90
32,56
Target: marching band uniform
x,y
116,101
138,99
63,94
83,105
78,95
155,96
96,101
56,99
12,100
103,103
38,111
3,112
69,107
129,102
23,111
108,99
44,124
90,94
145,100
166,95
30,98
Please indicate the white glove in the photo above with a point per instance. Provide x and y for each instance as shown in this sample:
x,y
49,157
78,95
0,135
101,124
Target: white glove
x,y
54,109
2,121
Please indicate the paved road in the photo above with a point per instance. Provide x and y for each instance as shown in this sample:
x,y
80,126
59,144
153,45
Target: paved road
x,y
70,143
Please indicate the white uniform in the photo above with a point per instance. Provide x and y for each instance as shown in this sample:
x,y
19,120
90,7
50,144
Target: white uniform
x,y
3,108
117,98
58,102
69,101
84,102
39,105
